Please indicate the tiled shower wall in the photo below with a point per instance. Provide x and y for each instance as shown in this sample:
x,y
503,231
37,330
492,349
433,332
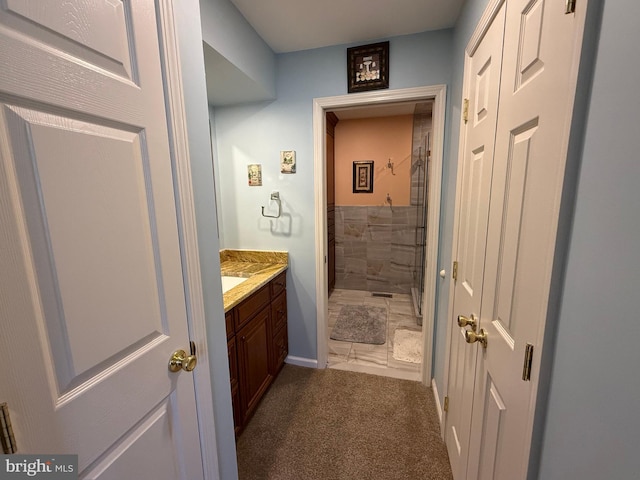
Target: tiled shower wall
x,y
375,248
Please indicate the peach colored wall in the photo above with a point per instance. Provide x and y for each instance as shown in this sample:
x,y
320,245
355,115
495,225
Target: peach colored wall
x,y
376,139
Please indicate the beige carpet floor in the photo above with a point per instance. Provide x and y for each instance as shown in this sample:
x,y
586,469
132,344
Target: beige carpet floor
x,y
334,425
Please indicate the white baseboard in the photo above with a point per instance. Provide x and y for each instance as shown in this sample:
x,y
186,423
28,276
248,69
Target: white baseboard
x,y
301,361
437,399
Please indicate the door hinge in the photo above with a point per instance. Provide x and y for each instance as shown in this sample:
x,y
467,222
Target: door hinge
x,y
570,7
455,271
6,431
446,404
465,110
528,358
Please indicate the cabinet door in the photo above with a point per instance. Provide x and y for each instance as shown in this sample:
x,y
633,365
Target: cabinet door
x,y
253,358
331,188
332,120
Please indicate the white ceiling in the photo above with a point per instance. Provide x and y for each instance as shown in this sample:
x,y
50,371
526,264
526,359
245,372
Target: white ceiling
x,y
384,110
292,25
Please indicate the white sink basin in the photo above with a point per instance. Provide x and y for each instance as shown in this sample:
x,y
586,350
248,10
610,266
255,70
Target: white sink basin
x,y
229,282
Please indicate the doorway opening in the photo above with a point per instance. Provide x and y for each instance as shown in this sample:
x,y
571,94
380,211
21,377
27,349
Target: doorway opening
x,y
426,269
377,239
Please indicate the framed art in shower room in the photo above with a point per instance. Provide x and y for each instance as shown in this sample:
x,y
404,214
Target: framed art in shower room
x,y
363,176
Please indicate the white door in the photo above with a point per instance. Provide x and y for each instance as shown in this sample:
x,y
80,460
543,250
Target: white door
x,y
482,71
91,293
539,69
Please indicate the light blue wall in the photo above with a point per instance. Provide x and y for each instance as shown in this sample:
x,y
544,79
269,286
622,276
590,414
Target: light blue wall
x,y
593,423
257,133
226,31
192,63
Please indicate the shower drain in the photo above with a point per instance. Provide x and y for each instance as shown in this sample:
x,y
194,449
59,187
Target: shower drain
x,y
379,294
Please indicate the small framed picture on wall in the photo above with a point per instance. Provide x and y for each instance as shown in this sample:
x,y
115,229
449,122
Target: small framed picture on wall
x,y
254,173
363,176
288,161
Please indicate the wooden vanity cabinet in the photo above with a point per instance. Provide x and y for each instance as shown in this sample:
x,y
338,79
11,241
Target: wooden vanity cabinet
x,y
257,346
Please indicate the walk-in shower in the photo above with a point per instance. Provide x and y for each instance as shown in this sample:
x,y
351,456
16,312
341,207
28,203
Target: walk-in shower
x,y
380,244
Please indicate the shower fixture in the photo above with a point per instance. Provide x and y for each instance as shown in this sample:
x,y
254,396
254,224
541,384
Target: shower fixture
x,y
390,165
419,161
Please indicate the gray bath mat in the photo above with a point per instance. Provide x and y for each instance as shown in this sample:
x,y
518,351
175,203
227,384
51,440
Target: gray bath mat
x,y
361,324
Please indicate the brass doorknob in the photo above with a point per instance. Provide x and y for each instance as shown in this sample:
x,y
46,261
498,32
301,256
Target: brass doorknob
x,y
180,360
473,337
464,321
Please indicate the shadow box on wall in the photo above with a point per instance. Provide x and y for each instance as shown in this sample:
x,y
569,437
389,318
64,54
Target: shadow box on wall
x,y
368,67
363,176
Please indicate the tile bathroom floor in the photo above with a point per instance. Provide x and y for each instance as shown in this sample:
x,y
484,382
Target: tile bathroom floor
x,y
373,359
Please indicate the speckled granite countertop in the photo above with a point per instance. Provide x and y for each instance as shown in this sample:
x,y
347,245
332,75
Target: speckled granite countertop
x,y
259,267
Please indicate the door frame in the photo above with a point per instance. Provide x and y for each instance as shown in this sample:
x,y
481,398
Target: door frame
x,y
187,232
436,93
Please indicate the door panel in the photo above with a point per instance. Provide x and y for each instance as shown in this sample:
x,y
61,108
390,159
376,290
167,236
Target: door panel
x,y
514,217
494,413
529,63
97,35
141,453
70,256
482,80
91,293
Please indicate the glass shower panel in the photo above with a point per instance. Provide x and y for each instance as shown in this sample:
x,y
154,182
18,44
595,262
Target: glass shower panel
x,y
422,176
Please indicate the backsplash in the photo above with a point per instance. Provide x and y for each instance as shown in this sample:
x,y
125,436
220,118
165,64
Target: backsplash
x,y
376,248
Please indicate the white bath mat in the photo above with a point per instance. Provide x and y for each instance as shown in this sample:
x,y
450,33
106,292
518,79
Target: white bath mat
x,y
407,346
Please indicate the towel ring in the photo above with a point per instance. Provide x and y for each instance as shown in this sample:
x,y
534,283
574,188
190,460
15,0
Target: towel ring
x,y
276,197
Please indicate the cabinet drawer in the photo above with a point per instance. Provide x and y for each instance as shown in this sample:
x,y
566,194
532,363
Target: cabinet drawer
x,y
237,409
228,322
280,350
233,362
252,305
278,312
278,284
